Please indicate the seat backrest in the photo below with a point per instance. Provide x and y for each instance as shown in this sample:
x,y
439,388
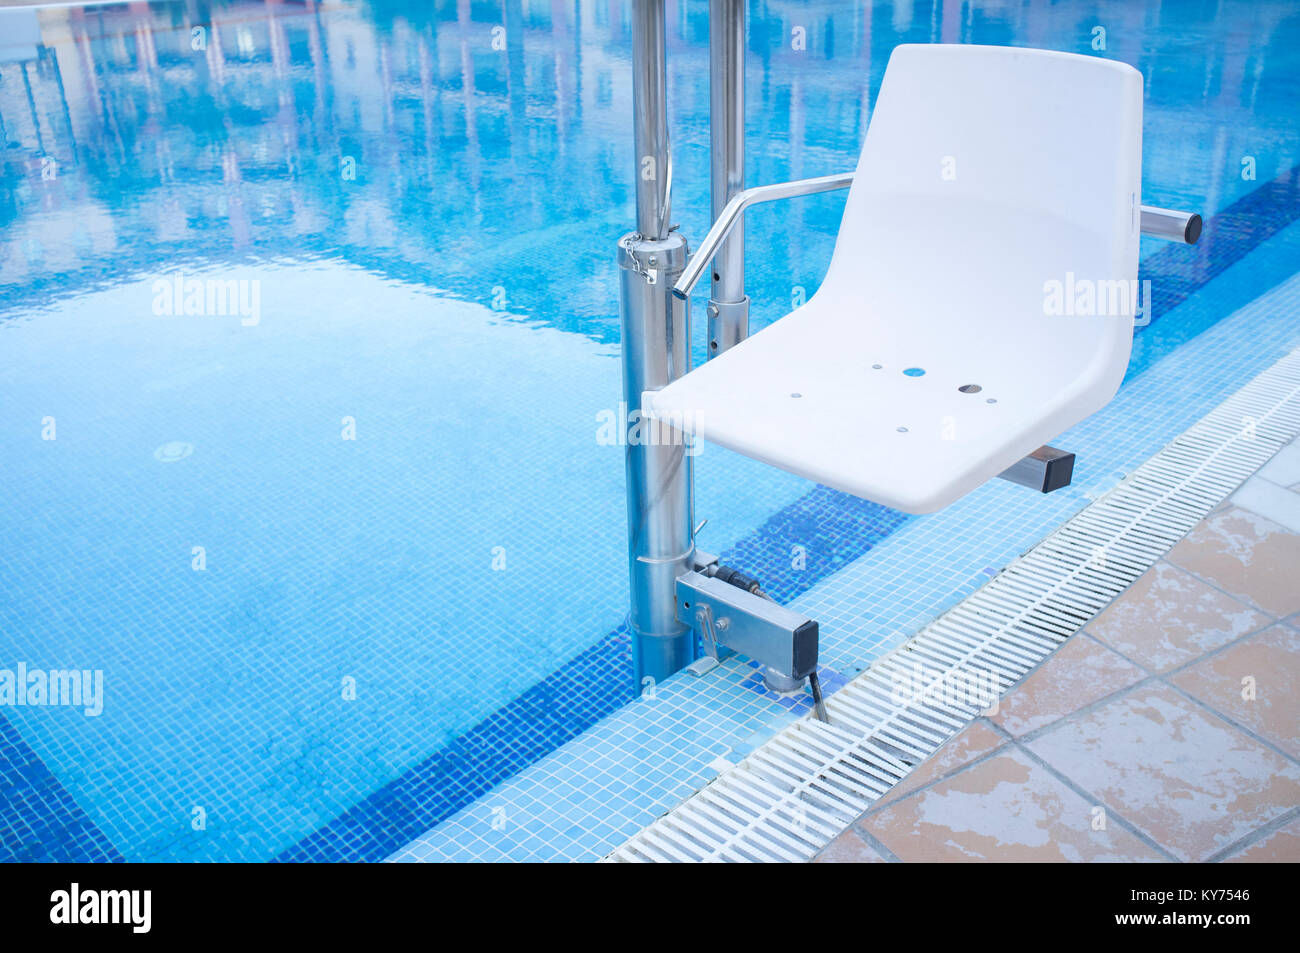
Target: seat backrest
x,y
987,174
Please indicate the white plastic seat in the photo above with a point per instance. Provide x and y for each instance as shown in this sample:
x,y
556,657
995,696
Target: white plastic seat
x,y
988,173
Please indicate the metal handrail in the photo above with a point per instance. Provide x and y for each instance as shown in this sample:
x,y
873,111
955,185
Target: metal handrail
x,y
1164,223
736,207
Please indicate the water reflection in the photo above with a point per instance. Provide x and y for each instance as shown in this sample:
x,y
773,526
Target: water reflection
x,y
475,145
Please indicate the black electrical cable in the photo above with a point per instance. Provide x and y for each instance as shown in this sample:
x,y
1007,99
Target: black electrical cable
x,y
748,583
819,706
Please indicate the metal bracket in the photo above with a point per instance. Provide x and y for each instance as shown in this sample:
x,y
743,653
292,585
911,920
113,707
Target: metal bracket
x,y
731,618
708,630
703,561
728,324
1045,470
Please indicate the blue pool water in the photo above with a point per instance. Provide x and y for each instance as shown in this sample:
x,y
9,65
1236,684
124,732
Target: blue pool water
x,y
412,539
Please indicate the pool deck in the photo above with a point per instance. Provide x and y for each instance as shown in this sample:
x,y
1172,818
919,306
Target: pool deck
x,y
1167,729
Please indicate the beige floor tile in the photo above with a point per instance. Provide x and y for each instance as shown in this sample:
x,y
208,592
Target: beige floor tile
x,y
1245,555
1079,673
1006,808
1189,780
849,848
1272,661
1273,502
1280,847
974,741
1284,468
1169,618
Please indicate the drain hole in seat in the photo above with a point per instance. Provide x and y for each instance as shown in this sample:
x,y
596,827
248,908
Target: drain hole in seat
x,y
970,388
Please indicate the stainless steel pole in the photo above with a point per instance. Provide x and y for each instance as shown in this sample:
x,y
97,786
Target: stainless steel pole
x,y
650,115
655,351
728,305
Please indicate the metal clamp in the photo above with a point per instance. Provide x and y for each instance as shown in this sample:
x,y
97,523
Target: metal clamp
x,y
713,654
765,631
651,257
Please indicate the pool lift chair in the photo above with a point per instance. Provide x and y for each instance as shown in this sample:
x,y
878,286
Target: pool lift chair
x,y
980,301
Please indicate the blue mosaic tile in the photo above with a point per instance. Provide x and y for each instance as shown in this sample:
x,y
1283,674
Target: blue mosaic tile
x,y
831,529
798,703
536,723
39,821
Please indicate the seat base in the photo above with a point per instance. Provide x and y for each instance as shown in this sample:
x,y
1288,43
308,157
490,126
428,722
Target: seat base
x,y
906,423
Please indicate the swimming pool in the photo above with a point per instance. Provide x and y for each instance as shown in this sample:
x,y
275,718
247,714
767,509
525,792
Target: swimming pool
x,y
351,550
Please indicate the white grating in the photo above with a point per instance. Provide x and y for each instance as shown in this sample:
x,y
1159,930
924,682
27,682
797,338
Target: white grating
x,y
789,798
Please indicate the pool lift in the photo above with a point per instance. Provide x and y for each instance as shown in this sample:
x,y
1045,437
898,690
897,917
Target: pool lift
x,y
979,301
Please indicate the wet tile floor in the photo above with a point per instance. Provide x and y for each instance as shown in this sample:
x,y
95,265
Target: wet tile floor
x,y
1167,729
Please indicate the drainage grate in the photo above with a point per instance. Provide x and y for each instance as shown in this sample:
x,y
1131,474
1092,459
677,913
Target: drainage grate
x,y
789,798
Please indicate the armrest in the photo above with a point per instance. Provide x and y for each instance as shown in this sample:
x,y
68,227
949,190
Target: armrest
x,y
1159,222
736,207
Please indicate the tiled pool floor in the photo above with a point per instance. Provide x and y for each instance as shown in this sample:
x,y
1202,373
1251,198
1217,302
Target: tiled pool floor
x,y
395,185
1168,729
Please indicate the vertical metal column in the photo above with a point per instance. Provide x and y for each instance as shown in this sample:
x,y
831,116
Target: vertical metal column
x,y
656,351
728,305
650,118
